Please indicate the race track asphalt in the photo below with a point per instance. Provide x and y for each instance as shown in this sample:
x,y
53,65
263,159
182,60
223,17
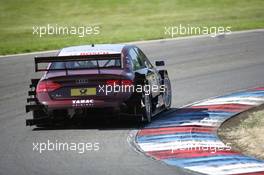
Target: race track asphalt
x,y
198,67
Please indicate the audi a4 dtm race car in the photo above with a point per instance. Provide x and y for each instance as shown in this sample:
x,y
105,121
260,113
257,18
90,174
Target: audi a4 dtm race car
x,y
82,79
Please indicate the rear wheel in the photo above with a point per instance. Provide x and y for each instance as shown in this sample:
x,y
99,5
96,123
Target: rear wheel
x,y
167,92
146,103
38,114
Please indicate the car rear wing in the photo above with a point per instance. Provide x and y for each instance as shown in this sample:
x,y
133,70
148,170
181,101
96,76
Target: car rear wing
x,y
51,59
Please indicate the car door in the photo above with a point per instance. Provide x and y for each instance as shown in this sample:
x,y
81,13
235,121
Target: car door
x,y
139,68
153,75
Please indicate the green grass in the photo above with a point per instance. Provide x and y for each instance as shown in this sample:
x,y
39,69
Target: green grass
x,y
119,20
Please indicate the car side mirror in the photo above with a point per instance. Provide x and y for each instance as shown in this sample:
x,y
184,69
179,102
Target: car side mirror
x,y
159,63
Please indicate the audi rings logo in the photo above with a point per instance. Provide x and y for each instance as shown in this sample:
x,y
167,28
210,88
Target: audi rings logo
x,y
82,81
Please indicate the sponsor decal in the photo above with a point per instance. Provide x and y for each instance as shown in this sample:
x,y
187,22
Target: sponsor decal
x,y
95,53
82,103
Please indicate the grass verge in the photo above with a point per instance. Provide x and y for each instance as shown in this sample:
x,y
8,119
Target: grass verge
x,y
119,20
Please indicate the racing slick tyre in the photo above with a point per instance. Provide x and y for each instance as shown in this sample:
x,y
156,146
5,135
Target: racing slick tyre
x,y
147,107
38,114
167,92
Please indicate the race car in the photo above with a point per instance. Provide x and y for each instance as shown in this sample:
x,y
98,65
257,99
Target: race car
x,y
80,80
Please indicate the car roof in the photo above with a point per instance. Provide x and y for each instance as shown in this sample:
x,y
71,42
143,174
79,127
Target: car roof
x,y
92,49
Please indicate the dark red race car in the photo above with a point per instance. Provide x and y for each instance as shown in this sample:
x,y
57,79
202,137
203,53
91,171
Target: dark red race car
x,y
83,79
